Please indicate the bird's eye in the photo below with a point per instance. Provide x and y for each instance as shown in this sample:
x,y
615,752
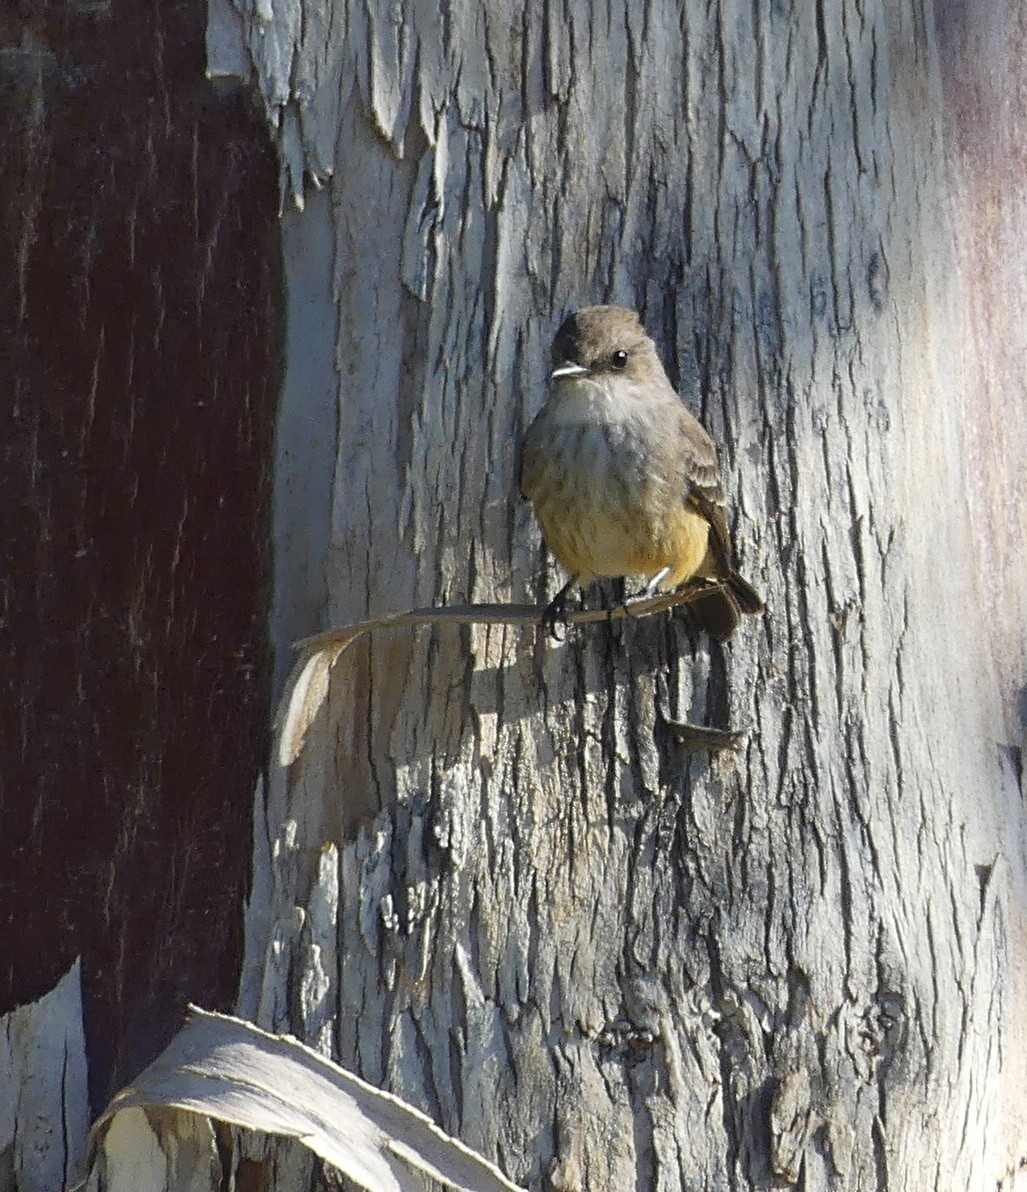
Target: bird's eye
x,y
619,360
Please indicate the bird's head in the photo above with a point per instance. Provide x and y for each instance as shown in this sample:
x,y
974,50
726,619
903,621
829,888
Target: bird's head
x,y
600,342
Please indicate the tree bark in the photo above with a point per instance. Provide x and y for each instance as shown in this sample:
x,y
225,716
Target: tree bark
x,y
139,344
494,882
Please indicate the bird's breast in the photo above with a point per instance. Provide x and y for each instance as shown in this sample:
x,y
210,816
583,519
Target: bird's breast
x,y
608,495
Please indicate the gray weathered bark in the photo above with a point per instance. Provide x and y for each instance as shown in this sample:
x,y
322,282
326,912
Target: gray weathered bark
x,y
44,1102
493,883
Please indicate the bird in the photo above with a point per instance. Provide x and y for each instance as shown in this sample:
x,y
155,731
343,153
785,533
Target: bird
x,y
624,481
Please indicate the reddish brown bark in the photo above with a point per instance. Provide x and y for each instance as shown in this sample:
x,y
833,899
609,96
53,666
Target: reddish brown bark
x,y
138,326
981,54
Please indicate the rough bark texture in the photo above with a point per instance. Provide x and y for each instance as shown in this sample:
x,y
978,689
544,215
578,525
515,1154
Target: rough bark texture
x,y
494,883
138,334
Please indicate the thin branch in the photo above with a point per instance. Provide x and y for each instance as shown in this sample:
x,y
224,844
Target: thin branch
x,y
308,683
504,614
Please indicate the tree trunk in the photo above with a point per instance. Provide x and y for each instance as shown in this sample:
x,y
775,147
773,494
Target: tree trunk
x,y
602,961
138,349
495,882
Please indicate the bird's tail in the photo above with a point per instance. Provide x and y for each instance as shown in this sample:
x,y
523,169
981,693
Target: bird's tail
x,y
719,611
746,596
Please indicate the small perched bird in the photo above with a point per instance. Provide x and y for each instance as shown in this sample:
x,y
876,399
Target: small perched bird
x,y
623,479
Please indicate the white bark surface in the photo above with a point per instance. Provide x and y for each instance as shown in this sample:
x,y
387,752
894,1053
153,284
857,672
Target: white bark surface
x,y
44,1101
494,883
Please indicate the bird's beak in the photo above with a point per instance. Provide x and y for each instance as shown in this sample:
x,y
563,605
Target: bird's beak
x,y
567,368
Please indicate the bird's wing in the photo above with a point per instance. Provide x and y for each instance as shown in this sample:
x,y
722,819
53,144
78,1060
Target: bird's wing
x,y
703,489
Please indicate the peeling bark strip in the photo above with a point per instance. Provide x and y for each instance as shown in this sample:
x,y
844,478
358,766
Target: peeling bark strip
x,y
219,1070
496,884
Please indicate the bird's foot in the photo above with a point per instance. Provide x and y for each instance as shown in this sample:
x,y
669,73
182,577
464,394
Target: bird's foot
x,y
652,588
554,619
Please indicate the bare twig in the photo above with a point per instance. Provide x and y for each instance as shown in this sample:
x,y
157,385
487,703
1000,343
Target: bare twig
x,y
308,683
697,738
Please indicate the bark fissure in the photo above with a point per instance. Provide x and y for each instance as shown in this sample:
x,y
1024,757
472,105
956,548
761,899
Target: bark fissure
x,y
793,922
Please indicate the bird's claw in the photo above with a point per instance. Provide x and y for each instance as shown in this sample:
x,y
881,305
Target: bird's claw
x,y
652,588
554,619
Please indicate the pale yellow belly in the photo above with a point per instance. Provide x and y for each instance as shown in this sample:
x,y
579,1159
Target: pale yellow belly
x,y
609,500
590,540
